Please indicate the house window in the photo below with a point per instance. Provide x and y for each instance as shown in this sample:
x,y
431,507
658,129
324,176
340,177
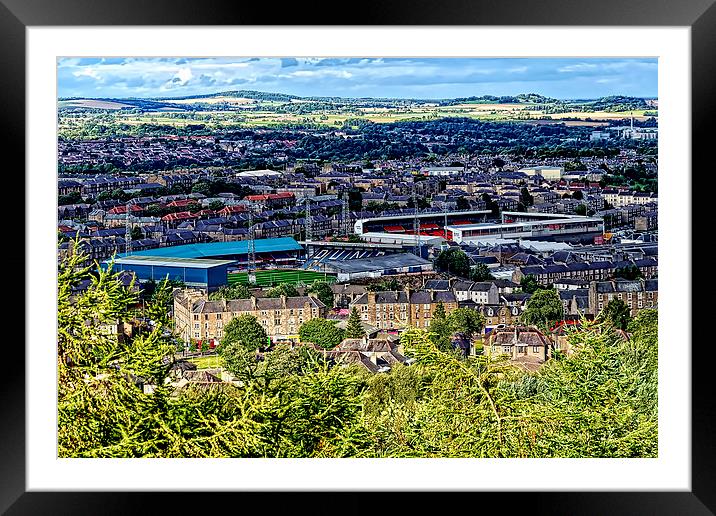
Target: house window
x,y
506,349
535,349
196,326
196,317
218,316
196,334
206,317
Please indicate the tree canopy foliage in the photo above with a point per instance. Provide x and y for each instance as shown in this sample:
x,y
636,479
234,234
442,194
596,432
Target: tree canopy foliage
x,y
617,313
454,261
284,289
354,327
321,332
323,292
235,291
543,309
599,402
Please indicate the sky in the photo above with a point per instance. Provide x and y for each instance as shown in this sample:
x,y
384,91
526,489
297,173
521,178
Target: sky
x,y
424,78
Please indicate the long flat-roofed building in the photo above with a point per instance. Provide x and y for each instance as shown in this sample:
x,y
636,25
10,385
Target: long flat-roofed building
x,y
557,228
376,266
276,251
205,274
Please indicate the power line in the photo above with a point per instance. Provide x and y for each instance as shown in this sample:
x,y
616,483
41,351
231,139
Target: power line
x,y
345,214
251,248
416,222
128,231
308,221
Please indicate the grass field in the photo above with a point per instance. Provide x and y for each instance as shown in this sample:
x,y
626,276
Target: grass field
x,y
269,114
208,362
269,278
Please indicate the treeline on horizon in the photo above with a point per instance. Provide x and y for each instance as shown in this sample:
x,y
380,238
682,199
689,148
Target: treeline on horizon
x,y
379,141
522,98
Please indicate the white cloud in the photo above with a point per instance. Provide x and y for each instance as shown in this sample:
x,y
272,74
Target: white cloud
x,y
579,67
87,72
184,75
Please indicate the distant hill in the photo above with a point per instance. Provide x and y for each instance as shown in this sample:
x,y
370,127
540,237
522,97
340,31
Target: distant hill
x,y
245,94
293,107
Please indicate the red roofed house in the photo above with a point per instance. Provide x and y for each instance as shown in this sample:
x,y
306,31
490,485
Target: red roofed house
x,y
230,210
181,203
122,209
271,200
174,219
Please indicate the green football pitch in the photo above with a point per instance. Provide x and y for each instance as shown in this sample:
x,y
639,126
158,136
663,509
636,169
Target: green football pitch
x,y
271,277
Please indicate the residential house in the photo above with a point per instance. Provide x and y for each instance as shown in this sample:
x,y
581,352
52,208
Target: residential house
x,y
198,318
525,345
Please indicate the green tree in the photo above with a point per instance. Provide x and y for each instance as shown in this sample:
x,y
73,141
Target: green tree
x,y
618,313
481,272
630,272
580,209
98,373
454,261
71,198
284,289
439,312
578,195
543,309
466,321
354,327
202,187
529,284
244,331
235,291
440,331
137,233
322,332
216,205
323,292
355,199
162,296
384,285
526,197
298,407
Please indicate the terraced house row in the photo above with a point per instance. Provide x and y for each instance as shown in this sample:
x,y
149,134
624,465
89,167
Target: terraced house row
x,y
397,309
196,318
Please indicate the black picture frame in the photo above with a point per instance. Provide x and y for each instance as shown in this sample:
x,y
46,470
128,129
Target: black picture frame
x,y
700,15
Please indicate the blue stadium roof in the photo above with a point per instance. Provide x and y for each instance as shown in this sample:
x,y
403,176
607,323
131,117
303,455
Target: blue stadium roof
x,y
214,249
